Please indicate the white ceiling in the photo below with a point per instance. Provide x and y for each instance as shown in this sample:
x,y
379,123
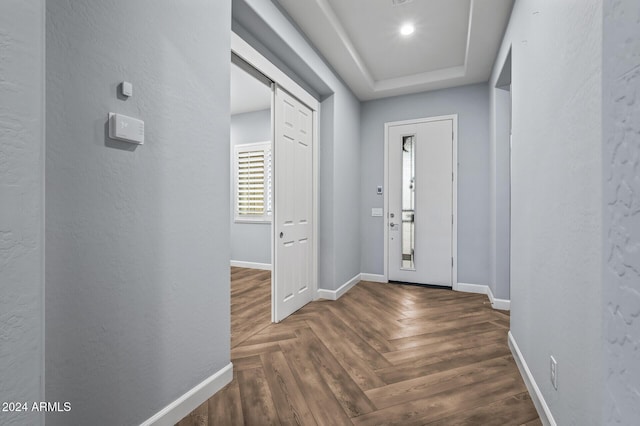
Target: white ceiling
x,y
455,41
247,92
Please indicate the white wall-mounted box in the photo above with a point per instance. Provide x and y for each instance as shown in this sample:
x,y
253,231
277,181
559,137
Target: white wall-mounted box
x,y
126,128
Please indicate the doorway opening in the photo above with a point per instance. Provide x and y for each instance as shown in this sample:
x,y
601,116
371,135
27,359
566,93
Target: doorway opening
x,y
276,181
252,202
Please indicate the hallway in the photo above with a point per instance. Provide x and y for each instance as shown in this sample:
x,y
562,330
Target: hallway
x,y
381,354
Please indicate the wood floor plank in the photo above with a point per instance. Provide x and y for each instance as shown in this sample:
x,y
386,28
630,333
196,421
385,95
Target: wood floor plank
x,y
460,311
428,326
247,363
424,386
454,344
225,407
250,303
419,412
341,335
351,397
409,370
255,396
251,350
273,335
381,354
441,334
290,404
362,328
320,399
509,411
358,369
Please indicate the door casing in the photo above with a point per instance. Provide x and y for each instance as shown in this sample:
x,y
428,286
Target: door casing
x,y
454,207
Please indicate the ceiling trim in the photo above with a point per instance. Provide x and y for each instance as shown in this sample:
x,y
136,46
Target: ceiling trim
x,y
469,26
346,41
419,79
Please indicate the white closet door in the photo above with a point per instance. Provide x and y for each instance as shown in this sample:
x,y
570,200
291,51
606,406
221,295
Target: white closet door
x,y
293,171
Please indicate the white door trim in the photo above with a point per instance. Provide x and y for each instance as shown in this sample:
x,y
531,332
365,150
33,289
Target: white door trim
x,y
454,206
250,55
254,58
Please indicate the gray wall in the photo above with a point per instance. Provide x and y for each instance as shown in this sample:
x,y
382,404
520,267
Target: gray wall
x,y
500,192
471,103
137,265
346,188
556,229
21,206
621,204
265,27
250,242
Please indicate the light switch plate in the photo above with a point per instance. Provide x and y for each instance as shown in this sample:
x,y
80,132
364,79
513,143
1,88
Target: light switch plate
x,y
376,212
126,129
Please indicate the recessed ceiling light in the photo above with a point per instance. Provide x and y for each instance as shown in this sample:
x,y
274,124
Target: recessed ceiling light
x,y
407,29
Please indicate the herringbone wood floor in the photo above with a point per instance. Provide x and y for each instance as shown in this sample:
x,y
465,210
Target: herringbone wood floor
x,y
383,354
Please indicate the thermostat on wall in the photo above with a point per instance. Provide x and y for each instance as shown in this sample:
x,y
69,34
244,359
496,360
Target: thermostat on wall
x,y
126,129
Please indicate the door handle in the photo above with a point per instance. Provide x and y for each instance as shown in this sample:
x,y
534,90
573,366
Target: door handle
x,y
281,234
392,224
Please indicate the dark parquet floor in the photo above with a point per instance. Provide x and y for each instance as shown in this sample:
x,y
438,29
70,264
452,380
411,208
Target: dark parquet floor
x,y
383,354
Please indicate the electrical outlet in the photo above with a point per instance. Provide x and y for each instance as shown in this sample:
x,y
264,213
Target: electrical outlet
x,y
554,372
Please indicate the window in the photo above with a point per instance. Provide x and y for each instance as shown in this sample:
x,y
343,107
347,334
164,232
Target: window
x,y
252,182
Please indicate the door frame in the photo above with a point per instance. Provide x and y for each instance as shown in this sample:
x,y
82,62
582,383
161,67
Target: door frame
x,y
255,59
454,198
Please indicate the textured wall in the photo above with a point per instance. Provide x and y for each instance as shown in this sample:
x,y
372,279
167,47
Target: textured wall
x,y
270,32
21,206
556,205
471,103
250,242
346,187
500,192
621,204
137,265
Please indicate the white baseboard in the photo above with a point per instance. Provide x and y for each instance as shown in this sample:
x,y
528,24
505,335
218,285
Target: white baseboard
x,y
251,265
502,304
376,278
336,294
536,395
174,412
472,288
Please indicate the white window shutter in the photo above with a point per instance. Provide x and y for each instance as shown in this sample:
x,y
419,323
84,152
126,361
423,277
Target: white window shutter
x,y
253,182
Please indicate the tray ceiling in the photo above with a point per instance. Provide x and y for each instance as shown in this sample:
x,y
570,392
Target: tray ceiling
x,y
454,43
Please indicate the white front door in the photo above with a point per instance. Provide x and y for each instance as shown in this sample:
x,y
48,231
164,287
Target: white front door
x,y
420,202
293,171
